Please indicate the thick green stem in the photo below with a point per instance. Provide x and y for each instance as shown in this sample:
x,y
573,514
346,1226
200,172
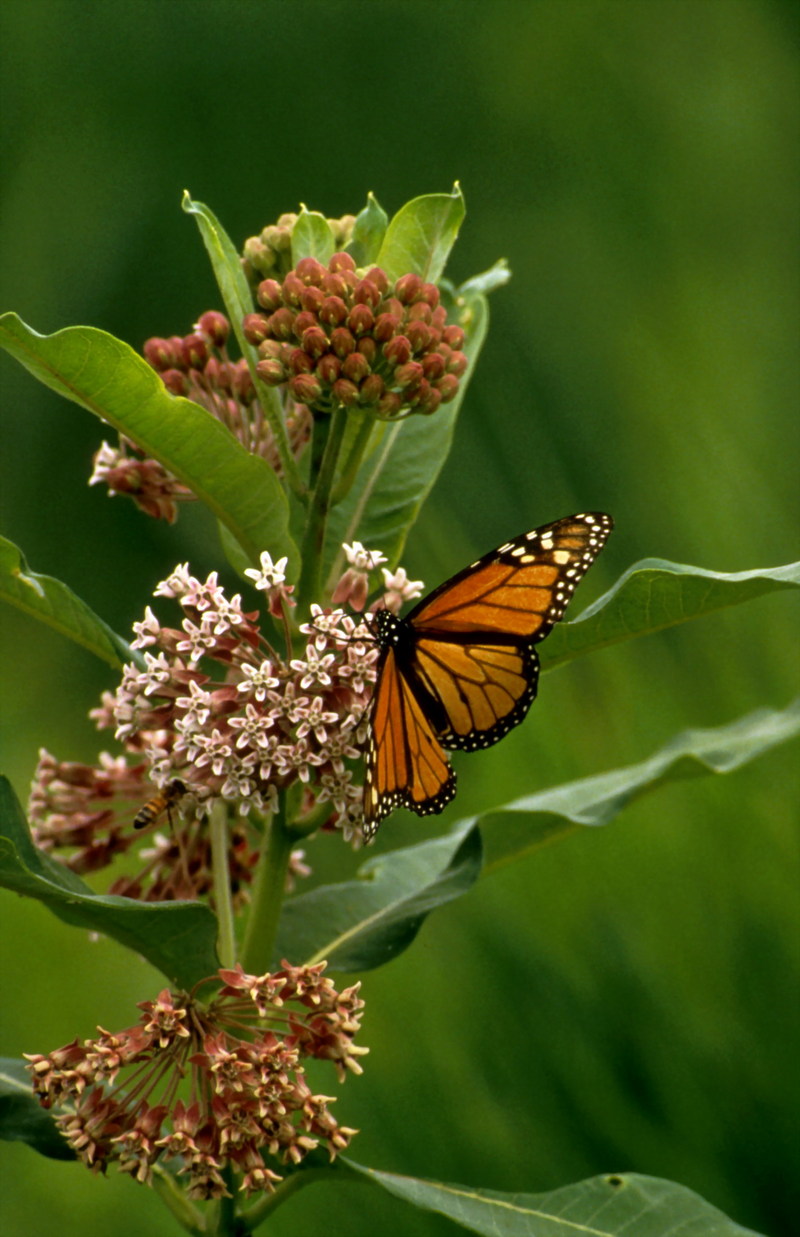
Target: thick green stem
x,y
314,540
284,1191
226,941
174,1198
355,455
268,894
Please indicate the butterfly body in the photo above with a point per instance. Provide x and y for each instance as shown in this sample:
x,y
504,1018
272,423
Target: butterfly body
x,y
461,669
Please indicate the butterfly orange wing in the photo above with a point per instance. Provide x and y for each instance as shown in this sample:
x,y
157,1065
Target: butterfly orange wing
x,y
475,636
406,766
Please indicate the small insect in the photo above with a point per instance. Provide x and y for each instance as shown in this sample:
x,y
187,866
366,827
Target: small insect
x,y
461,669
164,801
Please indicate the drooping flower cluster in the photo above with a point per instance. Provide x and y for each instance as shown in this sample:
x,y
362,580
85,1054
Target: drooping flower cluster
x,y
198,366
210,1085
335,337
213,717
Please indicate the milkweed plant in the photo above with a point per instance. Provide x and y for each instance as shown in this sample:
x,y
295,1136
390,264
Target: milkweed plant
x,y
310,411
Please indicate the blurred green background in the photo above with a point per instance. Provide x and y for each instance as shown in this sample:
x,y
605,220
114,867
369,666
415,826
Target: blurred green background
x,y
625,1000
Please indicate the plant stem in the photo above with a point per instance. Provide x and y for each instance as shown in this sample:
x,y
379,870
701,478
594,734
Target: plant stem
x,y
351,465
174,1198
268,893
314,540
226,941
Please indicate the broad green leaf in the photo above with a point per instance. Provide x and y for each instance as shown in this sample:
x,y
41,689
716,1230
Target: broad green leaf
x,y
22,1118
50,601
178,938
312,237
420,236
368,233
403,463
655,594
105,375
528,823
613,1205
363,923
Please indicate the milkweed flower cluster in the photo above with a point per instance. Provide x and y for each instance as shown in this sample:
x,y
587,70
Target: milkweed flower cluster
x,y
336,337
210,1085
199,367
216,718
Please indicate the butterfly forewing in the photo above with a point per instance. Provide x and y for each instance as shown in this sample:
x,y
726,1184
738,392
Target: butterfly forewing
x,y
461,669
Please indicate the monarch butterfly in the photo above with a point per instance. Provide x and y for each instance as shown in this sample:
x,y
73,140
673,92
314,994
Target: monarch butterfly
x,y
164,801
461,669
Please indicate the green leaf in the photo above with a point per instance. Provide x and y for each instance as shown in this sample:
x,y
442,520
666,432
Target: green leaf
x,y
526,824
496,277
105,375
179,938
607,1206
655,594
51,602
403,463
312,237
22,1118
421,235
368,233
360,924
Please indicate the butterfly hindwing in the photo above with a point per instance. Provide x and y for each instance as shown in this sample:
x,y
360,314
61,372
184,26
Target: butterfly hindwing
x,y
461,669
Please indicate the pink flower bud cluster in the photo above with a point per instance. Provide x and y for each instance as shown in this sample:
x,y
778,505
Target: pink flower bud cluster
x,y
241,1055
198,367
338,338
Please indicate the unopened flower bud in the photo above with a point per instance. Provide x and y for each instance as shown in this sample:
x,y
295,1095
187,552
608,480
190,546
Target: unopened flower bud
x,y
371,389
293,288
368,348
334,285
432,365
430,293
281,324
390,404
159,353
312,299
215,326
342,342
194,351
457,364
310,271
408,288
328,368
341,262
454,336
355,367
398,350
447,386
378,276
360,320
332,311
269,294
431,402
409,374
315,341
300,362
242,382
367,293
305,388
303,321
255,327
271,371
420,311
386,325
419,335
175,381
346,392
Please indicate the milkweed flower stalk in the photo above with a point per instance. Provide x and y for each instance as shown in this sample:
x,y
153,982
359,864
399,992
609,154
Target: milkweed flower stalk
x,y
215,717
213,1086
